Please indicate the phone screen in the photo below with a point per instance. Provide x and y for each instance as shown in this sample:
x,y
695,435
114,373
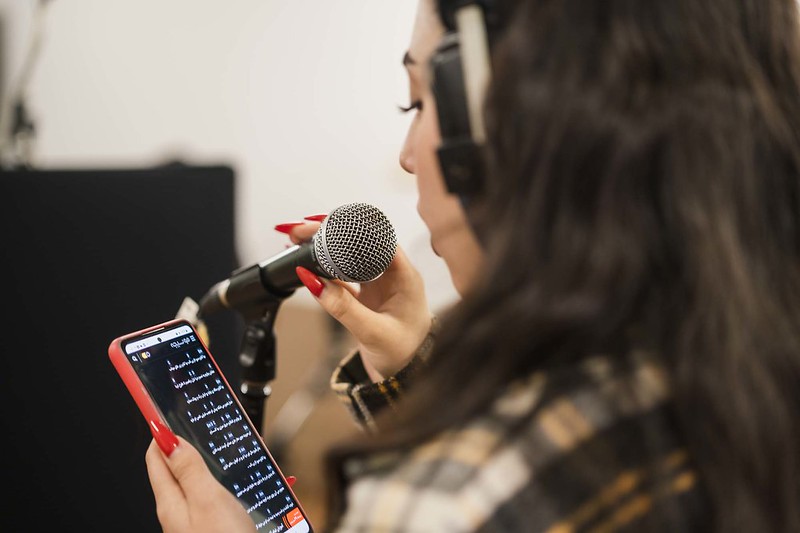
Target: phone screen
x,y
194,399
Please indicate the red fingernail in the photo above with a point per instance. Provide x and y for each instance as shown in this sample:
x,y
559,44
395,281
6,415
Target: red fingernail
x,y
165,438
290,480
287,226
316,218
310,280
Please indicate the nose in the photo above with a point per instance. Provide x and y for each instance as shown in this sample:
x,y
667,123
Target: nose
x,y
407,155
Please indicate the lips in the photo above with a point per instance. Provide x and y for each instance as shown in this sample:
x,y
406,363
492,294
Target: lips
x,y
433,247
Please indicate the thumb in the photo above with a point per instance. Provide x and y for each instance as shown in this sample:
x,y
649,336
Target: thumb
x,y
190,470
178,478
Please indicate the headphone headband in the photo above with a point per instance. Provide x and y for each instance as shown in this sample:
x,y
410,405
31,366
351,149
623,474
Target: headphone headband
x,y
461,71
448,9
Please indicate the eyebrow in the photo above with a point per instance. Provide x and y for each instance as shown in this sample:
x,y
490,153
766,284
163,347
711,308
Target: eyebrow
x,y
408,60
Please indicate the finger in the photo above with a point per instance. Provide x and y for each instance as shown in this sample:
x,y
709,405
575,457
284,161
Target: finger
x,y
190,471
286,227
352,288
401,264
303,232
166,489
298,231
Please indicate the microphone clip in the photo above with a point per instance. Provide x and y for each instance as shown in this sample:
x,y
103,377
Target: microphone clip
x,y
257,357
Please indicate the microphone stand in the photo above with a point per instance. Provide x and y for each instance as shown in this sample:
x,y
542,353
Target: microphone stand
x,y
257,350
257,357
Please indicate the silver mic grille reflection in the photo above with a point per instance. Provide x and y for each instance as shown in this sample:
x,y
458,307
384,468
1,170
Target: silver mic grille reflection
x,y
355,243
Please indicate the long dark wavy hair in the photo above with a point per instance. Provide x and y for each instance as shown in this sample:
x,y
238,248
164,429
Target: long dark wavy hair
x,y
644,176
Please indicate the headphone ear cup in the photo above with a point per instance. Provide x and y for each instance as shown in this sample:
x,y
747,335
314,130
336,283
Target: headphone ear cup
x,y
460,159
448,88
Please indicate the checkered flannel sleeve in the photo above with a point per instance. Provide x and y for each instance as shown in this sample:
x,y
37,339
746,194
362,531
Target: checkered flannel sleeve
x,y
362,397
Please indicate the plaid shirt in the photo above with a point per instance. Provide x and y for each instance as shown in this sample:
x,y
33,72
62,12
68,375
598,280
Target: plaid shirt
x,y
599,452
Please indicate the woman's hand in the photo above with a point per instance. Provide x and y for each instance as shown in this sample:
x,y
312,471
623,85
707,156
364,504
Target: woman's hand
x,y
389,317
188,498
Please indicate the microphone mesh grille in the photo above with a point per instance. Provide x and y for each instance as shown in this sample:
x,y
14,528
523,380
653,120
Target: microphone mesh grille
x,y
356,243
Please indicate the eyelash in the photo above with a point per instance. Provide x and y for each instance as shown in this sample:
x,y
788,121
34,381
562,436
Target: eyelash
x,y
417,104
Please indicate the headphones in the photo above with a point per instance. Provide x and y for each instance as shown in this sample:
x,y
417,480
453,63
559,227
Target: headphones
x,y
460,71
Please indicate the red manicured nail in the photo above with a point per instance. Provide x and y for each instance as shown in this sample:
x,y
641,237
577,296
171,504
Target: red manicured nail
x,y
165,438
290,480
316,218
310,280
287,226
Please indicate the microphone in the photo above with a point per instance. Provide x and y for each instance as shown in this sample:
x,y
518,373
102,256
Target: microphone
x,y
355,243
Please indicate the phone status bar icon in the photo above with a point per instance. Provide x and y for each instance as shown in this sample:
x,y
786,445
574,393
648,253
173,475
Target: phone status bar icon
x,y
143,356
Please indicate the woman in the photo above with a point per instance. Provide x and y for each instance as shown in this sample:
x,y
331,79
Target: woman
x,y
626,354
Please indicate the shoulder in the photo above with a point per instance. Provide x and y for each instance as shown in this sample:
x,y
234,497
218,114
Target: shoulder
x,y
563,448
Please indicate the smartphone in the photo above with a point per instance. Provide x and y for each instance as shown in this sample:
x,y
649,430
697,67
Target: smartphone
x,y
173,378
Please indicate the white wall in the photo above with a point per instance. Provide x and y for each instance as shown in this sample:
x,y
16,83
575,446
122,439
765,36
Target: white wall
x,y
299,96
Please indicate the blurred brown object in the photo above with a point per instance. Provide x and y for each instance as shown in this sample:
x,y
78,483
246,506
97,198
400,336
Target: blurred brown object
x,y
303,417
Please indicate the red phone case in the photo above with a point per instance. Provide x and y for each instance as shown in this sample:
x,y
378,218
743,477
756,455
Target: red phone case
x,y
128,374
152,413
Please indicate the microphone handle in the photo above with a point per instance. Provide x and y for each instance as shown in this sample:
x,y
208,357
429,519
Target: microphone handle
x,y
278,274
272,279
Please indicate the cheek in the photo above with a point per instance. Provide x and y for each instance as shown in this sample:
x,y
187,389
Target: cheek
x,y
429,178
